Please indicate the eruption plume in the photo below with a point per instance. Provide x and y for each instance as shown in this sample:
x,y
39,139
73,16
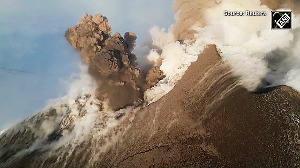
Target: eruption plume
x,y
111,61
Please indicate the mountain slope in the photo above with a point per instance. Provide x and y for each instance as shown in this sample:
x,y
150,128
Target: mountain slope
x,y
207,120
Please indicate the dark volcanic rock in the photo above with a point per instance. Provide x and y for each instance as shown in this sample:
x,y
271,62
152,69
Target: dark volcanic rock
x,y
208,121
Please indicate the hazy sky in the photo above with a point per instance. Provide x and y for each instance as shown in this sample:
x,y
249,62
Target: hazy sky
x,y
36,61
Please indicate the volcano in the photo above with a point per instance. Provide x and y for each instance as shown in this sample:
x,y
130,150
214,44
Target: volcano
x,y
207,120
211,95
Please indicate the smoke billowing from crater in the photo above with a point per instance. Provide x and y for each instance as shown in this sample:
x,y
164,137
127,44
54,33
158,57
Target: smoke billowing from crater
x,y
80,122
247,43
111,61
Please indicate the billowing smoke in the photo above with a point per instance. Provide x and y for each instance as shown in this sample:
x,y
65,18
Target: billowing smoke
x,y
247,43
111,61
259,56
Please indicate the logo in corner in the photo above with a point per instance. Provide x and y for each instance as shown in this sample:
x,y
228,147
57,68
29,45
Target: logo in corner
x,y
281,19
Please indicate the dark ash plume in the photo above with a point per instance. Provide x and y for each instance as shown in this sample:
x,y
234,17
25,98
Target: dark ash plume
x,y
111,61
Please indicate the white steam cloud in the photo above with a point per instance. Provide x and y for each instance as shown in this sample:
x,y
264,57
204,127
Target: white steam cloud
x,y
246,41
176,58
259,56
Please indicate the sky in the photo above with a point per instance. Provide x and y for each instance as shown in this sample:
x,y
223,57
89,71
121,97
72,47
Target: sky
x,y
37,63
